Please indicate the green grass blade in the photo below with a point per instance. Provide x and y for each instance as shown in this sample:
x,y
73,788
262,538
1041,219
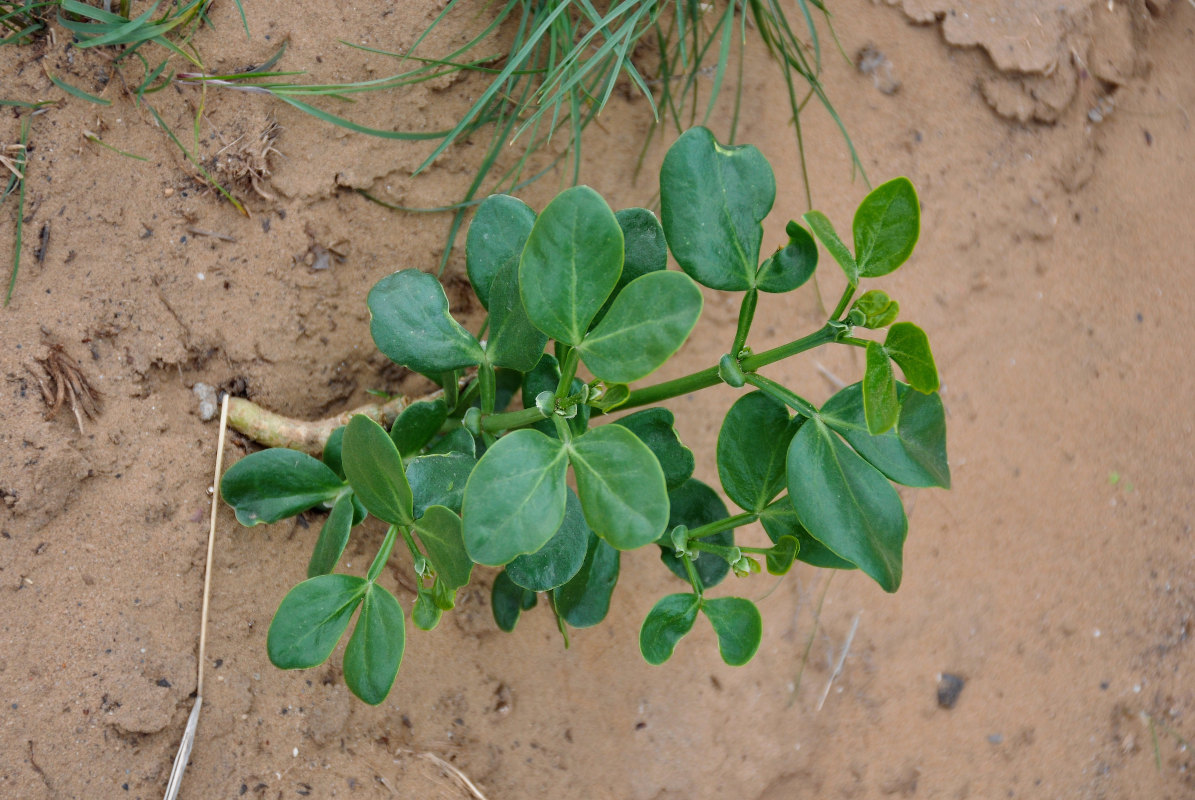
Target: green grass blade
x,y
75,91
20,218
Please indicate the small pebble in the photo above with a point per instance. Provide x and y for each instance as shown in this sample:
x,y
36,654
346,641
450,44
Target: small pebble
x,y
207,400
949,688
995,738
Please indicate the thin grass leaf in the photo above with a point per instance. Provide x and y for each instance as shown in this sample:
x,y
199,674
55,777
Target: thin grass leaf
x,y
20,218
76,91
195,162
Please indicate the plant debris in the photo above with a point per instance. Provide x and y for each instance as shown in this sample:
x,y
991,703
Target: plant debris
x,y
246,161
63,382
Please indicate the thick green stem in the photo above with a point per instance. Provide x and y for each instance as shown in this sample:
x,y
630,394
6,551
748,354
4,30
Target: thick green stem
x,y
379,561
509,420
784,395
847,294
746,316
487,382
694,578
568,370
738,520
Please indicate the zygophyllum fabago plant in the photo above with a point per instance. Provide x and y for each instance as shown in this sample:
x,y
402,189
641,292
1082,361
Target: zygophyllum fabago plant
x,y
463,479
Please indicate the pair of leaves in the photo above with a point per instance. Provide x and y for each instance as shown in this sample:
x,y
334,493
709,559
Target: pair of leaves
x,y
572,264
886,227
313,617
736,622
908,346
515,499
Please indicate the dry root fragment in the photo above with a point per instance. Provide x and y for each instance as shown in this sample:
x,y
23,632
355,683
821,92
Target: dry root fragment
x,y
63,383
247,162
10,156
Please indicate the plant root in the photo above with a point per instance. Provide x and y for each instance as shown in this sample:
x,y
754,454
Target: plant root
x,y
65,384
274,430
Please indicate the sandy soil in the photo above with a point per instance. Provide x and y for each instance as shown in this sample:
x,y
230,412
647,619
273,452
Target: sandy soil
x,y
1052,145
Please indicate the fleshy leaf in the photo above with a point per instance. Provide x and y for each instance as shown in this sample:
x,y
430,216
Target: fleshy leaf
x,y
880,406
823,229
416,425
846,503
648,322
585,600
375,471
278,483
439,480
311,619
782,555
908,346
570,264
508,601
425,613
375,649
887,224
644,250
712,200
515,498
499,230
332,537
791,265
455,441
331,454
440,532
411,325
780,521
621,486
739,627
558,560
655,428
752,448
667,622
694,504
913,453
514,342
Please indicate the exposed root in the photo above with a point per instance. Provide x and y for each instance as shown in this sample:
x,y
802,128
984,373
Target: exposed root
x,y
453,772
275,430
65,384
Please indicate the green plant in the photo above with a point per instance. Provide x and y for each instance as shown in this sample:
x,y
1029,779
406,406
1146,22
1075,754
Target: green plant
x,y
461,480
563,62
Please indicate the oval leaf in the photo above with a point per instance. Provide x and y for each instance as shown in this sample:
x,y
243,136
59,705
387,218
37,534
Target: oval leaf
x,y
738,625
694,504
332,537
913,453
508,601
585,600
823,229
440,532
375,471
621,486
558,560
410,324
416,425
439,480
332,447
887,224
375,649
514,342
780,522
752,448
908,346
311,619
880,406
667,622
782,555
712,200
655,428
846,503
278,483
644,250
648,322
425,613
515,498
791,265
570,264
499,230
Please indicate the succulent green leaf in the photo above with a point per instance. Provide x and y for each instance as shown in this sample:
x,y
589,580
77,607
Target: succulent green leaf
x,y
416,425
713,199
780,522
667,622
570,264
644,250
331,454
887,224
375,471
508,601
880,406
439,480
692,505
621,486
278,483
846,503
655,428
791,265
752,448
439,529
311,619
585,600
458,441
375,649
782,555
739,627
558,560
514,342
648,322
425,613
499,230
876,309
908,346
823,229
411,325
615,395
913,453
332,537
515,498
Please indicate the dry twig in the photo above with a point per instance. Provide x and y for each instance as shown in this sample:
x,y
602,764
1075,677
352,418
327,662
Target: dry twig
x,y
65,383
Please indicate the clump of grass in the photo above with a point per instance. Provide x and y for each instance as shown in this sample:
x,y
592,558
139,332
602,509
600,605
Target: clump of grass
x,y
564,60
21,21
14,160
